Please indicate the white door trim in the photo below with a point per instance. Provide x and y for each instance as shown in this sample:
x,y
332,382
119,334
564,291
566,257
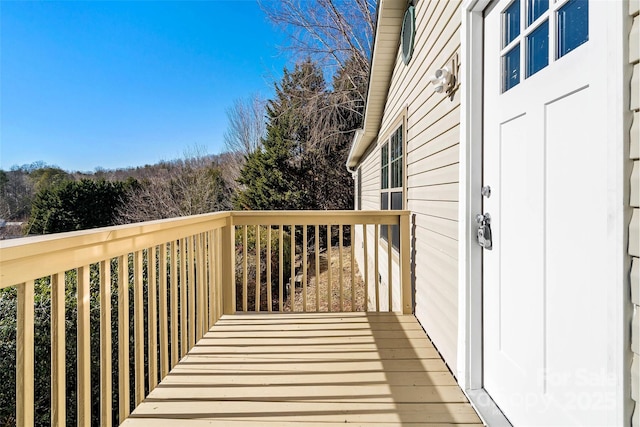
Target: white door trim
x,y
469,364
615,68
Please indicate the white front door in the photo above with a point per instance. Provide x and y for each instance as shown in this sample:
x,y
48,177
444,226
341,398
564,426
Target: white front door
x,y
547,351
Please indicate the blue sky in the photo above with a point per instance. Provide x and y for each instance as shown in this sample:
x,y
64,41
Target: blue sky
x,y
86,84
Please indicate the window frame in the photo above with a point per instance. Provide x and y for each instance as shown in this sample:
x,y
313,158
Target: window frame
x,y
393,177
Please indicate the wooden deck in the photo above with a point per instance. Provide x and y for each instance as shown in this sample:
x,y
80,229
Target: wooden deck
x,y
318,369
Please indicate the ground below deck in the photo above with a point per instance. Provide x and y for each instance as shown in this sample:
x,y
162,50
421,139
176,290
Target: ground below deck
x,y
316,369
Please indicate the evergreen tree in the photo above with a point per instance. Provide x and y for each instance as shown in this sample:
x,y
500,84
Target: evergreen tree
x,y
277,175
76,205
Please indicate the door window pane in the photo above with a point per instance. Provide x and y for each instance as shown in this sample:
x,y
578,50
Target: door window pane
x,y
511,68
573,26
538,49
535,9
511,20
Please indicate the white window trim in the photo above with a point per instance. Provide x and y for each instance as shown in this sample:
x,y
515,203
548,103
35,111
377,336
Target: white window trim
x,y
399,122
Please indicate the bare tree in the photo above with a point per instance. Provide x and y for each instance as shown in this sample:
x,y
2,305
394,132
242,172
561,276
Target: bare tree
x,y
246,125
338,34
16,193
191,186
245,129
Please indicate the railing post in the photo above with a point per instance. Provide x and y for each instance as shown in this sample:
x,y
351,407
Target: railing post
x,y
228,268
405,264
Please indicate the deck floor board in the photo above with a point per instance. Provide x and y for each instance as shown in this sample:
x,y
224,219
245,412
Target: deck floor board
x,y
319,369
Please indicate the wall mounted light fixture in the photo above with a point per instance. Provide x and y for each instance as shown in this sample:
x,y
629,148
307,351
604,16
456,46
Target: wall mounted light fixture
x,y
441,80
445,79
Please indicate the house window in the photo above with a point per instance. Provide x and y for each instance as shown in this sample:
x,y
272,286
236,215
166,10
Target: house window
x,y
392,181
564,21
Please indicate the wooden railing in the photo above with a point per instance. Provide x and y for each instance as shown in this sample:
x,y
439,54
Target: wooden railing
x,y
184,274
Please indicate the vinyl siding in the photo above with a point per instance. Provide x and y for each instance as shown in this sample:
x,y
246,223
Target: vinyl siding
x,y
634,201
431,170
371,182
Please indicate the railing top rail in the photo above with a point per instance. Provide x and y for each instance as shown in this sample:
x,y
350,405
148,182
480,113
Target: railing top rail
x,y
326,217
16,248
33,257
29,258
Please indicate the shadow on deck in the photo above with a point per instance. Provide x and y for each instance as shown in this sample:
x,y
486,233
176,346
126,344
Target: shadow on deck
x,y
316,369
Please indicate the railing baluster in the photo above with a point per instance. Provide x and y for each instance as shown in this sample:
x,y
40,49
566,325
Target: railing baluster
x,y
58,377
281,268
340,274
25,355
268,261
184,306
366,266
105,343
389,268
138,323
219,303
152,319
124,392
197,274
228,254
329,278
245,277
292,283
304,268
376,269
191,292
200,295
162,312
317,253
211,253
223,252
173,266
353,266
84,347
257,297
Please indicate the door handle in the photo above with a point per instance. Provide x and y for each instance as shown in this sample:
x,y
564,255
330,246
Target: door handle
x,y
484,231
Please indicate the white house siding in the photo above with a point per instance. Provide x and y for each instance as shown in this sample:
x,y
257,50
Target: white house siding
x,y
431,173
634,226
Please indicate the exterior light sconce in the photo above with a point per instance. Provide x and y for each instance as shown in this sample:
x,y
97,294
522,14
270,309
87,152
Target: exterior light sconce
x,y
445,79
441,80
